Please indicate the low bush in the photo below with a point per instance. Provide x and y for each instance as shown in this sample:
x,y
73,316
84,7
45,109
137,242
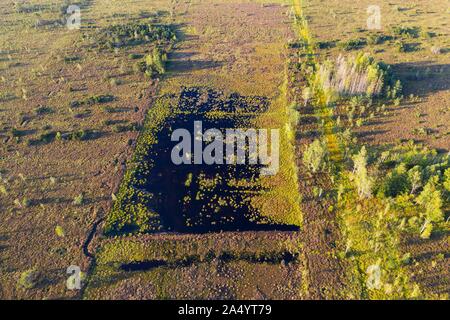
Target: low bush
x,y
353,44
409,32
376,38
326,44
47,137
360,176
407,47
427,34
41,110
59,231
71,59
99,99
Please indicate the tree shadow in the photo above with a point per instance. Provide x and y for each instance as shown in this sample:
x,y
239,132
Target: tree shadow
x,y
370,133
423,78
184,62
183,65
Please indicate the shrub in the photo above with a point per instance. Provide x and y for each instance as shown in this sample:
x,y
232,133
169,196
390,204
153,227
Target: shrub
x,y
447,180
406,258
41,110
356,101
427,34
74,104
423,131
430,198
396,182
396,90
315,155
375,38
402,47
26,202
47,137
353,44
22,204
59,231
99,99
296,44
126,127
78,200
28,279
77,135
415,178
134,34
155,62
326,44
410,32
70,59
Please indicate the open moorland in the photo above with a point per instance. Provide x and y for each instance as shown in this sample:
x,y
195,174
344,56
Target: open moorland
x,y
349,106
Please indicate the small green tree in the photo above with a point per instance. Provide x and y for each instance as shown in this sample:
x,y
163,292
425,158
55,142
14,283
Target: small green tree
x,y
430,198
360,175
306,94
28,279
156,62
396,182
59,231
315,155
78,200
397,89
